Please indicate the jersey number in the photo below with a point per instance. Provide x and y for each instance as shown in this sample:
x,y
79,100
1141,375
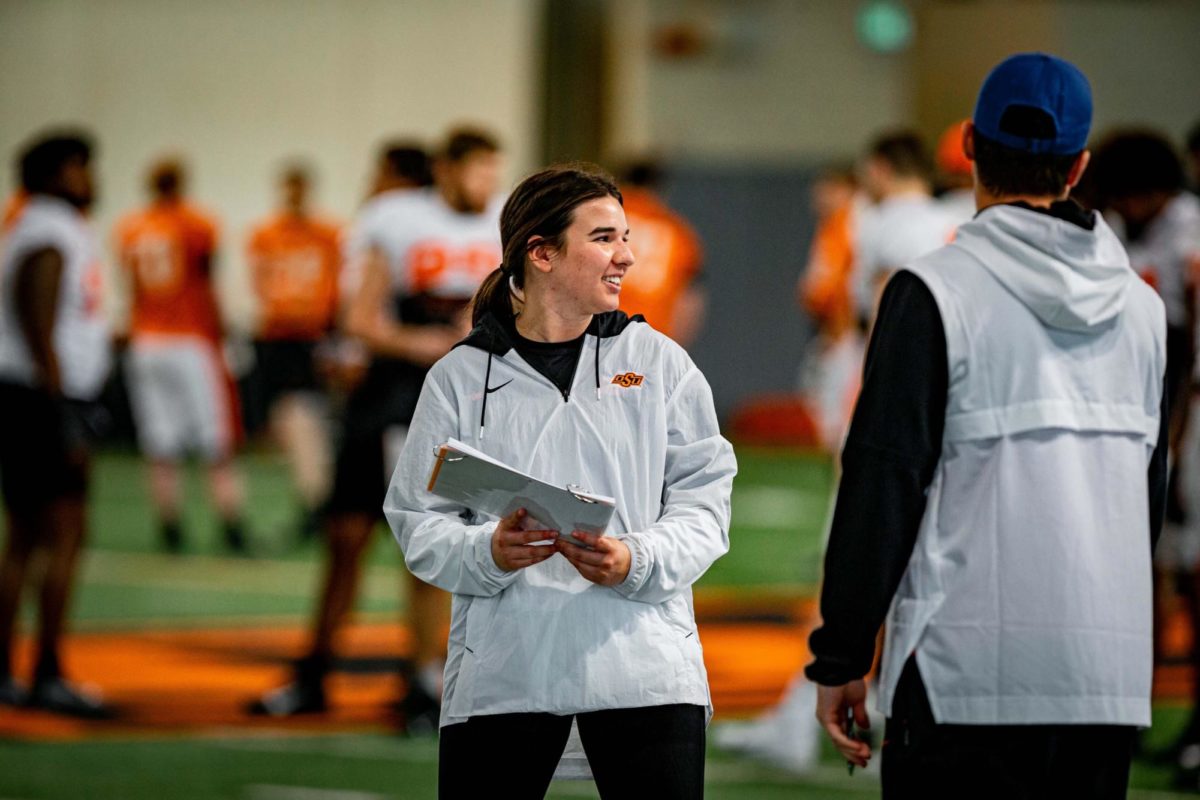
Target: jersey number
x,y
157,265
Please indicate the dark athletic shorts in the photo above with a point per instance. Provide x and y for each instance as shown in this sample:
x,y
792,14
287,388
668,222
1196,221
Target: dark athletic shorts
x,y
359,481
284,366
43,448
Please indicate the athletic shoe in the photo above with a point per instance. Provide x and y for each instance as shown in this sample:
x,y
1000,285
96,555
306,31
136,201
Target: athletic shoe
x,y
235,538
12,693
786,736
297,697
171,534
419,711
1187,768
1183,751
59,696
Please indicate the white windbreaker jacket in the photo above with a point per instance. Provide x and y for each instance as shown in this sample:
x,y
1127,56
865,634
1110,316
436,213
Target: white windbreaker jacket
x,y
639,425
1027,598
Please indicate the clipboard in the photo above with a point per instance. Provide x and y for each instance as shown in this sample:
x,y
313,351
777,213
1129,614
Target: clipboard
x,y
488,486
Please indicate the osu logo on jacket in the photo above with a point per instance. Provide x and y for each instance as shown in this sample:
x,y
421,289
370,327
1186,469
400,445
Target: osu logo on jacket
x,y
628,379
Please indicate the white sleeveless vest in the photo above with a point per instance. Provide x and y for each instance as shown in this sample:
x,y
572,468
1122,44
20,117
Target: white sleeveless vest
x,y
1027,599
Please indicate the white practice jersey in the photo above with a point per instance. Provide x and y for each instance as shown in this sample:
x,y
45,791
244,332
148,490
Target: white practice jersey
x,y
892,234
81,338
1168,254
431,249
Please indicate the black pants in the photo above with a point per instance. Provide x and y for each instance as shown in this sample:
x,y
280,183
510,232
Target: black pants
x,y
1014,762
657,752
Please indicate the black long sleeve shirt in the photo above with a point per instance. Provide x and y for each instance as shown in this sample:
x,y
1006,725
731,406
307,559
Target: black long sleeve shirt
x,y
888,463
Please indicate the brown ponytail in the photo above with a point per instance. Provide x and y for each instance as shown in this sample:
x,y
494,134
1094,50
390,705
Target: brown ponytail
x,y
542,206
492,295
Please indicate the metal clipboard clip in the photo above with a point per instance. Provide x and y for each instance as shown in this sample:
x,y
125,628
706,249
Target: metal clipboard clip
x,y
440,456
579,493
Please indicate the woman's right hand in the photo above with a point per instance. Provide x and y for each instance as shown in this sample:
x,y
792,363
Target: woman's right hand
x,y
511,548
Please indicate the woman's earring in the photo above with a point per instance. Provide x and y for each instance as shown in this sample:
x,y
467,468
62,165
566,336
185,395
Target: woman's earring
x,y
513,290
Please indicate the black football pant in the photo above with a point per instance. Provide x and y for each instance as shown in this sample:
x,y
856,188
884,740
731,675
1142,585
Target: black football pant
x,y
656,751
922,759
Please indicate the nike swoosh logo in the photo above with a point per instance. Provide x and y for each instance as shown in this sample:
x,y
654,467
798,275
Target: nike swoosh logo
x,y
497,388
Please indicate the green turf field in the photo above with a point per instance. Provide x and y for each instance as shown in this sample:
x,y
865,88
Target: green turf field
x,y
779,502
779,508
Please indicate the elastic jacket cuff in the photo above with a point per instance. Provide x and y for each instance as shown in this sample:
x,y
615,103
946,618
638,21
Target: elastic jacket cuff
x,y
639,565
483,554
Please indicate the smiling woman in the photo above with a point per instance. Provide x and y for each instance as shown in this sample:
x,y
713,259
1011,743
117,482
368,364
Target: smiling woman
x,y
581,277
545,632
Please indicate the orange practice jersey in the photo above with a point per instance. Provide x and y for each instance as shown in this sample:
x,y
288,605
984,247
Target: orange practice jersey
x,y
294,264
167,249
667,258
827,288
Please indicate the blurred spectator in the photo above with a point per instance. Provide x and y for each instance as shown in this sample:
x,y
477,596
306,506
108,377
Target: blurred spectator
x,y
905,222
182,394
825,289
956,180
663,285
54,357
403,166
418,257
833,360
1139,180
294,258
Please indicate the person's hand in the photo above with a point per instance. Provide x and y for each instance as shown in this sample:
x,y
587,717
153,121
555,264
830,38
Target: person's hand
x,y
511,548
606,564
834,703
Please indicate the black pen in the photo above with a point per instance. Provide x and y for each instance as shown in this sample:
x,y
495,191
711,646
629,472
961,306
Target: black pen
x,y
850,734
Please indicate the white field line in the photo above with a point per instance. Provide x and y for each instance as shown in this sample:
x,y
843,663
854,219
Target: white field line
x,y
270,791
261,576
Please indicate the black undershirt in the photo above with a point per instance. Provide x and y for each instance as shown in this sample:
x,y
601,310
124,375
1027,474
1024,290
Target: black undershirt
x,y
891,453
556,361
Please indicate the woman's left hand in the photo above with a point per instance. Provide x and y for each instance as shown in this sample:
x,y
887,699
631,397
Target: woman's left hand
x,y
606,564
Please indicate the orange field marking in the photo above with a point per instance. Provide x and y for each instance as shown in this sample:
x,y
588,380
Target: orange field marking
x,y
178,681
187,681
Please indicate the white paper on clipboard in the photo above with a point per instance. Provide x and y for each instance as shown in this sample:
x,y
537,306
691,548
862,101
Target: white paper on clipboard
x,y
488,486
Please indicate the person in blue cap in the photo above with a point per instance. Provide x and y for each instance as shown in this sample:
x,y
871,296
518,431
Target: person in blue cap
x,y
1003,483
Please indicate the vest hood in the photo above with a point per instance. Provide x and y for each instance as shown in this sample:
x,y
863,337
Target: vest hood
x,y
1070,277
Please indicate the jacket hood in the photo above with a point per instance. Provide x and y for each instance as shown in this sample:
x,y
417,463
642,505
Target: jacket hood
x,y
493,336
496,338
1071,277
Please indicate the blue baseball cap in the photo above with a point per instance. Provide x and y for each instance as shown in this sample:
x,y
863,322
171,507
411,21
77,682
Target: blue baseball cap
x,y
1020,87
